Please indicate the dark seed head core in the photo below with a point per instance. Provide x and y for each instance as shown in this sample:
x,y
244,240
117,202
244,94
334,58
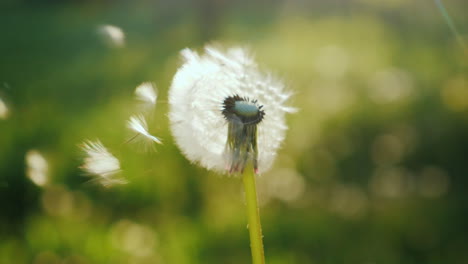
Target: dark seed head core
x,y
243,116
236,108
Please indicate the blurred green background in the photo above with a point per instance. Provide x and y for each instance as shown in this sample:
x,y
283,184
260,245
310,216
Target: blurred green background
x,y
374,169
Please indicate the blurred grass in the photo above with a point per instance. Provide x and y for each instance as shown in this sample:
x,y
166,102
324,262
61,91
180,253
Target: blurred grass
x,y
373,169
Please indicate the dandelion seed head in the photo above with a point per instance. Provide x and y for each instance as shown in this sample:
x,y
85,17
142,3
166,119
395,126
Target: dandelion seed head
x,y
100,163
138,124
210,91
243,110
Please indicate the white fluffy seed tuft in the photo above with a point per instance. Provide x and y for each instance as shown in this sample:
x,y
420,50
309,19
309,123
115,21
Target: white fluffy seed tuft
x,y
4,111
138,124
112,35
36,167
147,94
100,163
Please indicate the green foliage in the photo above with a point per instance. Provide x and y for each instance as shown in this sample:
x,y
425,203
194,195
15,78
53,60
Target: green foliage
x,y
373,169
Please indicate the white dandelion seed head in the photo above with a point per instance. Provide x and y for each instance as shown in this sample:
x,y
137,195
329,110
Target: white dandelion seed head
x,y
137,123
100,163
198,91
112,35
36,167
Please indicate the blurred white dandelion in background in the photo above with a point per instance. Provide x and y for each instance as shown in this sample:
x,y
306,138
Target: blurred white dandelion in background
x,y
137,123
146,94
112,35
36,167
99,162
225,113
4,111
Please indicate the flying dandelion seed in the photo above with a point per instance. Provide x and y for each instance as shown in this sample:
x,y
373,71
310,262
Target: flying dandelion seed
x,y
36,167
146,93
225,113
138,124
4,111
100,163
112,35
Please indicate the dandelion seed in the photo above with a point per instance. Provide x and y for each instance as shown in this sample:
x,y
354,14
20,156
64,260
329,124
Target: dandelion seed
x,y
36,167
112,35
225,113
4,112
138,124
146,93
99,162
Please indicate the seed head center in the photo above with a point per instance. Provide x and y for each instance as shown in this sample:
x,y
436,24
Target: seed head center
x,y
243,110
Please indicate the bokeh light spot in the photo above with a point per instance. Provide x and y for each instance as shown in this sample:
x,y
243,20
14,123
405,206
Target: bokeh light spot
x,y
433,182
455,94
57,201
348,201
284,184
391,182
332,62
134,239
390,85
47,257
387,149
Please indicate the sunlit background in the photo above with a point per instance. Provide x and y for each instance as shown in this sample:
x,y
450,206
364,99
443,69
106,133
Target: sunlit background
x,y
374,169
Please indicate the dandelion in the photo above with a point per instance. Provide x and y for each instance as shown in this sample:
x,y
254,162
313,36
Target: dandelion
x,y
146,94
138,124
226,115
112,35
36,167
99,162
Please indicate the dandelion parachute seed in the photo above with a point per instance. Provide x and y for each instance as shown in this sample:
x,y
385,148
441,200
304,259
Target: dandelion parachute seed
x,y
146,94
112,35
138,124
99,162
225,113
36,167
3,110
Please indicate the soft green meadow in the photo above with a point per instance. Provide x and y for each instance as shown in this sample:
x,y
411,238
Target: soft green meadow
x,y
373,168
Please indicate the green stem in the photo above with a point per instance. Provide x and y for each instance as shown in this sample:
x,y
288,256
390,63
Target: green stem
x,y
255,228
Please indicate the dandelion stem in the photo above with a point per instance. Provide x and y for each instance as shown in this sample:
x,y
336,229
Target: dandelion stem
x,y
255,227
